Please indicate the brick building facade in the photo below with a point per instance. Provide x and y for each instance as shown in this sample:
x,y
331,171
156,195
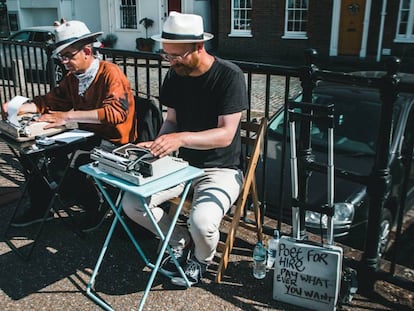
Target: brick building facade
x,y
324,32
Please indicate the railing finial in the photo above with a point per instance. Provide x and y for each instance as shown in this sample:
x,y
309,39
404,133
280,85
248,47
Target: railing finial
x,y
310,56
392,65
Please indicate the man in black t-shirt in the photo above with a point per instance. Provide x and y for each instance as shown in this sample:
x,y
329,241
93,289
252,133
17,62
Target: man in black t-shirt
x,y
205,96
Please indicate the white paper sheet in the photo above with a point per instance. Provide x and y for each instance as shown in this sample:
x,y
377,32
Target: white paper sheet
x,y
71,136
13,107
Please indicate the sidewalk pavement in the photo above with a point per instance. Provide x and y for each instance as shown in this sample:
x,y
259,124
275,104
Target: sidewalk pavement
x,y
56,276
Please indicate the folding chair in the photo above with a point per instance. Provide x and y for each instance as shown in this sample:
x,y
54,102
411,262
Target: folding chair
x,y
252,136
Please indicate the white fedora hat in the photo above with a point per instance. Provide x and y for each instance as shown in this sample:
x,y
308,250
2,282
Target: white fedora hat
x,y
71,32
183,28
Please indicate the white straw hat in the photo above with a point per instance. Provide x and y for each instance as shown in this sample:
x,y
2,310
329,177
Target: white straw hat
x,y
183,28
71,32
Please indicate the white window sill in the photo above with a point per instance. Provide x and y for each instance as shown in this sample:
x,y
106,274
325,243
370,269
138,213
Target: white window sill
x,y
128,30
242,35
304,37
404,40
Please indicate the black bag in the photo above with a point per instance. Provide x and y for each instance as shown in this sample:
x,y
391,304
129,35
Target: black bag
x,y
149,118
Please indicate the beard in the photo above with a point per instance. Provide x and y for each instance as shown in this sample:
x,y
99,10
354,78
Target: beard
x,y
182,70
186,69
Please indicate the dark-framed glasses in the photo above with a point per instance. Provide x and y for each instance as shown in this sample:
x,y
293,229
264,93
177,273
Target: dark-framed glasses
x,y
67,56
175,57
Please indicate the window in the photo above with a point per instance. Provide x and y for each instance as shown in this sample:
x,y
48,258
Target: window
x,y
128,18
4,24
296,19
241,18
41,36
14,21
21,36
405,26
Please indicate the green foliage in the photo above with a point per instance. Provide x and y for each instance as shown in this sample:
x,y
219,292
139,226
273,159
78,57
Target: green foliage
x,y
110,40
147,23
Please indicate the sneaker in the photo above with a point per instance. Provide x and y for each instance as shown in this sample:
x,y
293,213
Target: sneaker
x,y
182,254
29,218
93,219
194,272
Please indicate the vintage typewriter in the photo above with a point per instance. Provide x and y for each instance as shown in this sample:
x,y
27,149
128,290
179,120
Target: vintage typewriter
x,y
135,164
27,128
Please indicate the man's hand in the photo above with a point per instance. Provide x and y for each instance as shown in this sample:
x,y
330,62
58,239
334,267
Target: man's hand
x,y
165,144
145,144
54,118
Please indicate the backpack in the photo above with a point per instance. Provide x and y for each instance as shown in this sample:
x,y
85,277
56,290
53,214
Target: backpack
x,y
149,118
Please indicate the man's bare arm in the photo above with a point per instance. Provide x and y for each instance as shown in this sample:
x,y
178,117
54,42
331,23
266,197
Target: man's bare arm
x,y
218,137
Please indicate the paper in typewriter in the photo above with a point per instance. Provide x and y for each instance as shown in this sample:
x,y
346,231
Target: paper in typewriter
x,y
13,107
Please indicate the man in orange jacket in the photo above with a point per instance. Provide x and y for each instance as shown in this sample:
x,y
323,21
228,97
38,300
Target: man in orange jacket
x,y
97,95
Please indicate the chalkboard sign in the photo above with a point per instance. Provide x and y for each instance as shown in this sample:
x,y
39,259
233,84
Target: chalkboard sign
x,y
307,275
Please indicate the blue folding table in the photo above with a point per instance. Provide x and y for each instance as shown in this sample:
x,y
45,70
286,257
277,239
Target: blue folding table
x,y
185,175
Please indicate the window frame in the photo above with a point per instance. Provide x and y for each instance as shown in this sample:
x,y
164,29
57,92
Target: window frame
x,y
290,34
241,32
14,22
408,36
124,25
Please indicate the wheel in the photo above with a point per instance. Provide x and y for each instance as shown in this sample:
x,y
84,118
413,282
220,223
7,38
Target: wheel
x,y
60,71
354,239
385,231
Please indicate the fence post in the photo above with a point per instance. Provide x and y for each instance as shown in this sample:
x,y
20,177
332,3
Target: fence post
x,y
304,149
379,184
50,66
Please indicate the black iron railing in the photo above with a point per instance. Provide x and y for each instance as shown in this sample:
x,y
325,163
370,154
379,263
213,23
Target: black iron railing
x,y
27,69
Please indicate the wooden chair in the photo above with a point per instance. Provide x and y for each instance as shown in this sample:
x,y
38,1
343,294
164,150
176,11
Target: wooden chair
x,y
252,136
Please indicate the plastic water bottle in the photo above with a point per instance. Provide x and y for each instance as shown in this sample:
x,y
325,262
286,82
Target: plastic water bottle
x,y
272,249
259,261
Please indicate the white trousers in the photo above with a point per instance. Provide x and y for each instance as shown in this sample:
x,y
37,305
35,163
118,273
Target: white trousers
x,y
214,193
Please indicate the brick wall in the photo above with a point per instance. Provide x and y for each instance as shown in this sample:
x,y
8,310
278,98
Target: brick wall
x,y
267,44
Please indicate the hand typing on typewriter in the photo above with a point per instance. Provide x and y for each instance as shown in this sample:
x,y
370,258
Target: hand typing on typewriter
x,y
168,140
54,119
59,118
163,145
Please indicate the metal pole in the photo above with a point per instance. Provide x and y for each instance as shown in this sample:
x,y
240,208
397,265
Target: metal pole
x,y
379,184
50,66
304,149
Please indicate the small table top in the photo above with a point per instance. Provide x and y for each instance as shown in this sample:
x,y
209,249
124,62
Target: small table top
x,y
30,147
148,189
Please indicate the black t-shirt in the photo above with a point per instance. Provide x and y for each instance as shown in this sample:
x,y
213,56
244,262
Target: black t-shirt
x,y
199,101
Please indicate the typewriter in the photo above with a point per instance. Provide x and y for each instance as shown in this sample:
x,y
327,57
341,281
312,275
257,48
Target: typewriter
x,y
27,128
135,164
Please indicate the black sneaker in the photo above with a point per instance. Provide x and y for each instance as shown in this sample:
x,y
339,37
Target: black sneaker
x,y
182,254
93,219
194,272
29,218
